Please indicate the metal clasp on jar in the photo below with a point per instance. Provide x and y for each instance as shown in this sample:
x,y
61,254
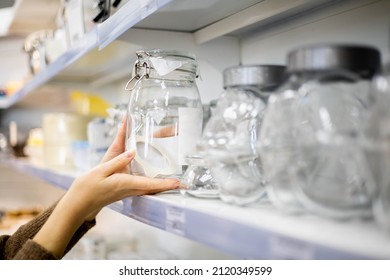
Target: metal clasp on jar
x,y
137,77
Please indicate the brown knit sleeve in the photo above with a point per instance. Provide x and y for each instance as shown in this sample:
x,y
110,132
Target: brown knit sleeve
x,y
33,251
15,242
20,246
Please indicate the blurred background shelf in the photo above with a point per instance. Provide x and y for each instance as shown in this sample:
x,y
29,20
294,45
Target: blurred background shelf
x,y
78,50
104,33
256,232
99,59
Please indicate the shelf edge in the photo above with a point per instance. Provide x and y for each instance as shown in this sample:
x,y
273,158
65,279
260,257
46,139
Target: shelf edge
x,y
241,240
256,13
130,14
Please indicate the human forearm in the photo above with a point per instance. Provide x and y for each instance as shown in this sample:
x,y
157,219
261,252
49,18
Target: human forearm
x,y
20,245
60,227
16,241
89,193
33,251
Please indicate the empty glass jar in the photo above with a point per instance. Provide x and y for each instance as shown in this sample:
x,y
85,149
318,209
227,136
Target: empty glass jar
x,y
164,115
229,138
377,146
198,179
34,46
310,137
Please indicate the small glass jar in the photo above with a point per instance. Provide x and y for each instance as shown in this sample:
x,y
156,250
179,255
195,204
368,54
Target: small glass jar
x,y
376,145
310,137
164,115
34,46
198,180
229,138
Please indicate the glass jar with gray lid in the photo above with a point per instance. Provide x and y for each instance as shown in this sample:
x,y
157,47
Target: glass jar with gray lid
x,y
228,142
311,132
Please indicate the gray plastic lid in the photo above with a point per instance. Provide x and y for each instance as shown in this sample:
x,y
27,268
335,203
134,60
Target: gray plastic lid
x,y
362,60
261,76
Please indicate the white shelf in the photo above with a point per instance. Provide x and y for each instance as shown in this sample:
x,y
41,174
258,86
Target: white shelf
x,y
131,13
79,49
256,232
208,20
203,19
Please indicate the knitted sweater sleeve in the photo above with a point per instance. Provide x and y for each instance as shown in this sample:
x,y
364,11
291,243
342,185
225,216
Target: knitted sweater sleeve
x,y
21,246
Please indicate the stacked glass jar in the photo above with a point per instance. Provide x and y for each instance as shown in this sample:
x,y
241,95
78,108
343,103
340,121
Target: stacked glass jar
x,y
310,137
228,142
164,116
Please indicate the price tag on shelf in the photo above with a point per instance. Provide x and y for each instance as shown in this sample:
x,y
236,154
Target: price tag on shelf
x,y
175,220
283,248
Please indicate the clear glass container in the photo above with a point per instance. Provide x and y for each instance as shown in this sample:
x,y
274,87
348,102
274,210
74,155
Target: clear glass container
x,y
164,115
376,145
312,128
229,138
35,47
99,139
198,179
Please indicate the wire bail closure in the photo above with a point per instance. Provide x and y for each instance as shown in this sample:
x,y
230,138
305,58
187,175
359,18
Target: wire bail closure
x,y
137,77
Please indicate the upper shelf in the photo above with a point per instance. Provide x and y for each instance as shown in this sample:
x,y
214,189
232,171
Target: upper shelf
x,y
100,36
207,20
204,19
79,49
256,232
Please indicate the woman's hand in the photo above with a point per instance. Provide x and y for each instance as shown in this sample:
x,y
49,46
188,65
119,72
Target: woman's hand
x,y
117,147
101,186
106,184
113,172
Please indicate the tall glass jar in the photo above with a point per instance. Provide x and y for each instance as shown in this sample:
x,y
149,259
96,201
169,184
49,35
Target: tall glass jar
x,y
229,139
164,115
311,132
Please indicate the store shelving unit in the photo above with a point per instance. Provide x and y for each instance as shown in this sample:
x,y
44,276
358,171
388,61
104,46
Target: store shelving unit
x,y
188,17
256,232
99,37
79,49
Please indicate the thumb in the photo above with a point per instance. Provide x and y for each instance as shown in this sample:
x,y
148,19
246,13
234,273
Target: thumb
x,y
117,163
118,145
121,134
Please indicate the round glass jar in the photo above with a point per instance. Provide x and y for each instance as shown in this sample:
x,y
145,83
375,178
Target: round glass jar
x,y
229,138
198,179
376,145
310,137
164,115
